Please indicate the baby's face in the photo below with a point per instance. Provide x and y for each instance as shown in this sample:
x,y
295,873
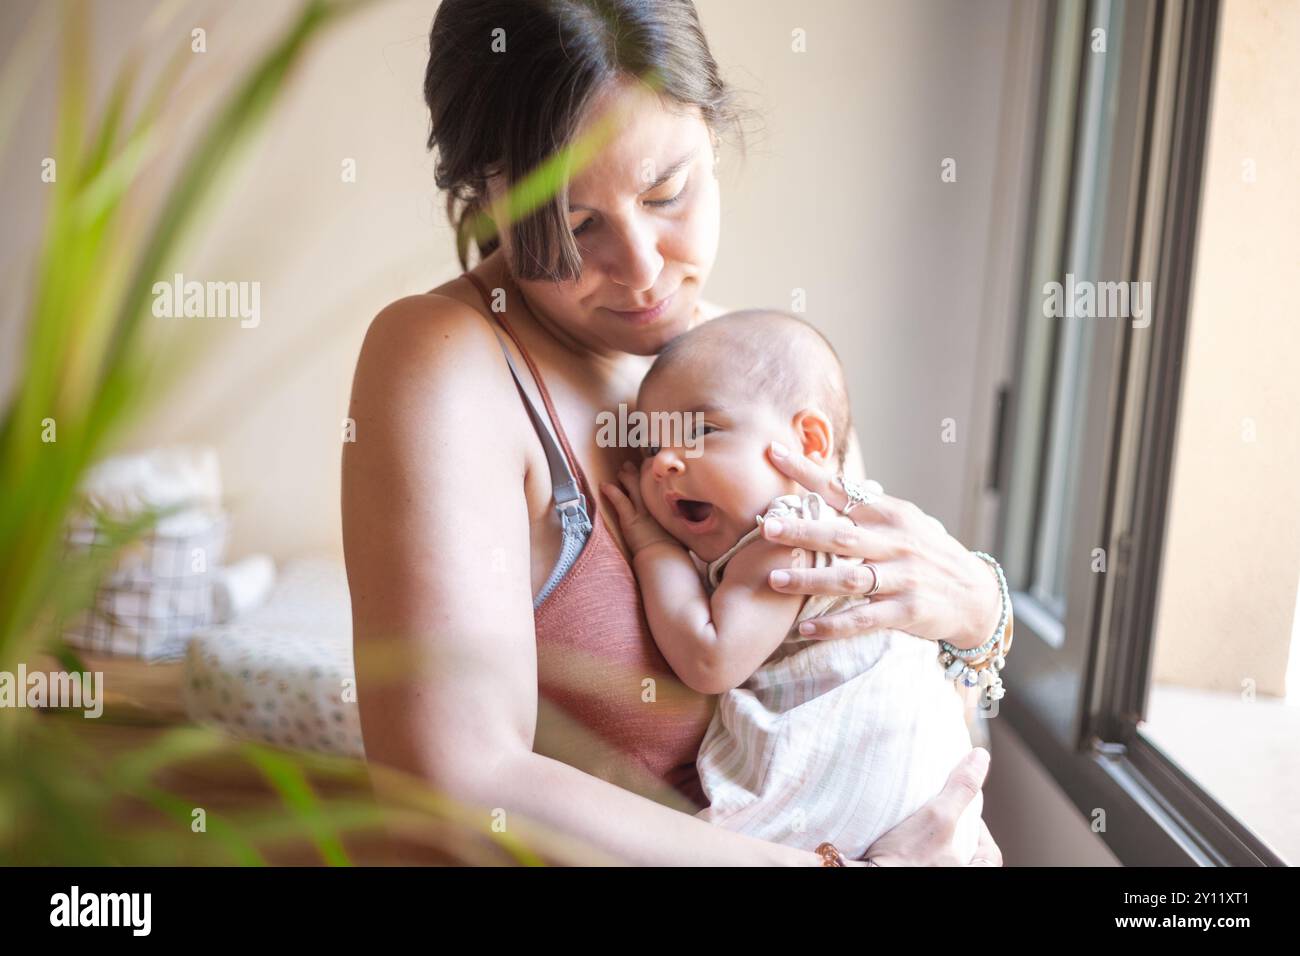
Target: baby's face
x,y
705,487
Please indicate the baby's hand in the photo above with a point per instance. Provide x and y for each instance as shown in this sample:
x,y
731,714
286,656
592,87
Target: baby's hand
x,y
640,529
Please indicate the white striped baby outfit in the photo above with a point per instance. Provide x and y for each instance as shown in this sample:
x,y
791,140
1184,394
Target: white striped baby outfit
x,y
836,739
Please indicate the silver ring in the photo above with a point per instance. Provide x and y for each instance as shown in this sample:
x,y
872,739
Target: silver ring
x,y
859,492
875,580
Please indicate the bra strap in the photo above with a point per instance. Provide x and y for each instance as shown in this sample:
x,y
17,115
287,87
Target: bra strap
x,y
570,502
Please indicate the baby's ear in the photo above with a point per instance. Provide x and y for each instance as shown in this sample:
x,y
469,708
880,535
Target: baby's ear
x,y
816,438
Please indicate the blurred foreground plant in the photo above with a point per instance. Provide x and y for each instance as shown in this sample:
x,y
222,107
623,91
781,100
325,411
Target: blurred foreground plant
x,y
87,372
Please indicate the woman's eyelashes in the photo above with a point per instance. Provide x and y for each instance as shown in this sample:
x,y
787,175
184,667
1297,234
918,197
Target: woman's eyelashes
x,y
670,201
583,226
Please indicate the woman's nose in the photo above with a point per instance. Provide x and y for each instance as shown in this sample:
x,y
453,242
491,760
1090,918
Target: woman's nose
x,y
667,462
638,263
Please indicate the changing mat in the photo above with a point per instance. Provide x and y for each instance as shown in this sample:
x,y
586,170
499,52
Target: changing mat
x,y
282,673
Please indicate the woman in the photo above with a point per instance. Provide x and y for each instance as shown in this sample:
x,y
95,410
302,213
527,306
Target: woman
x,y
524,682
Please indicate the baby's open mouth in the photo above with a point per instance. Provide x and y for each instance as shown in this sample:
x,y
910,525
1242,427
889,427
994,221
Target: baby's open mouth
x,y
691,511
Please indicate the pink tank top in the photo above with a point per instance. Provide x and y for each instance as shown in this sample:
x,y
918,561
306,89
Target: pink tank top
x,y
608,702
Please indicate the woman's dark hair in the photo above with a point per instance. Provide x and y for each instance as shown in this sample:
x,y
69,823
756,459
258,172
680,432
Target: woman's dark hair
x,y
507,110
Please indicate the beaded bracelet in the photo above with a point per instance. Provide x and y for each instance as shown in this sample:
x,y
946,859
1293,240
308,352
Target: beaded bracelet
x,y
973,666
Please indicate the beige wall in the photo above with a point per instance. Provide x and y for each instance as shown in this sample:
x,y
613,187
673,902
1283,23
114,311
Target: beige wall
x,y
1228,599
1029,815
840,196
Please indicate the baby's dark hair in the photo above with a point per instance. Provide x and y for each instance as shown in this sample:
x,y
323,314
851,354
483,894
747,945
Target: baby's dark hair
x,y
781,355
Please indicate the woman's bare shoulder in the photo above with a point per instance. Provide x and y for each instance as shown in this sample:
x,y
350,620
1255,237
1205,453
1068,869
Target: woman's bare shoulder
x,y
428,323
429,355
429,339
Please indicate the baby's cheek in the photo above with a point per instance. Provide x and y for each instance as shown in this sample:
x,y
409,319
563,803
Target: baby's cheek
x,y
749,491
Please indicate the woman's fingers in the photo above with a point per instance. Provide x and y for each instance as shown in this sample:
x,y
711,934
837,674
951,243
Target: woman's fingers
x,y
818,478
833,537
926,837
987,853
963,786
840,580
875,579
794,464
871,615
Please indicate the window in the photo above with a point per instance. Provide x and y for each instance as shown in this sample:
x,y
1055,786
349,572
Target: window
x,y
1224,697
1149,519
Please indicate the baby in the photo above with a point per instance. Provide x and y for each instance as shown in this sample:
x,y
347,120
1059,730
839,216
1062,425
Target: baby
x,y
812,740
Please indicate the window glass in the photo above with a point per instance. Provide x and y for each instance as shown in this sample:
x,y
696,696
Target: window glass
x,y
1224,701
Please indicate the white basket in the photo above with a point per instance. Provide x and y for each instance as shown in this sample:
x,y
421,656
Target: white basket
x,y
158,593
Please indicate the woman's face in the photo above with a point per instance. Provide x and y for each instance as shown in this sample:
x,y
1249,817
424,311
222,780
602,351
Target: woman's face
x,y
645,216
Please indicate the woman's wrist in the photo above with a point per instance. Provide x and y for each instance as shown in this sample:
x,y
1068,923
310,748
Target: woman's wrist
x,y
979,665
990,617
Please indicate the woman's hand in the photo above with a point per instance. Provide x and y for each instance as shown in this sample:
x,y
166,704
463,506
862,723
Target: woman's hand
x,y
640,529
926,837
930,584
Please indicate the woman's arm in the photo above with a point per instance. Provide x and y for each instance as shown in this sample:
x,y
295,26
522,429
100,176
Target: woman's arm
x,y
444,642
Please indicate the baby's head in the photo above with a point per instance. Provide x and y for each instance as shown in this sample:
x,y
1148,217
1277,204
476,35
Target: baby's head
x,y
757,377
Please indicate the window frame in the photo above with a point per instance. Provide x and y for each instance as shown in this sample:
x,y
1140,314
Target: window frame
x,y
1077,696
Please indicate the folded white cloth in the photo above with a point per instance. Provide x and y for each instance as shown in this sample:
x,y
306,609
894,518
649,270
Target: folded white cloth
x,y
184,478
242,586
